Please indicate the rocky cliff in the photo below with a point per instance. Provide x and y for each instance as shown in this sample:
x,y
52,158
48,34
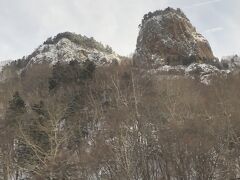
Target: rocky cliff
x,y
167,37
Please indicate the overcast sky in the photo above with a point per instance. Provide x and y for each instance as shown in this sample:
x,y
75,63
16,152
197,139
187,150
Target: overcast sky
x,y
25,24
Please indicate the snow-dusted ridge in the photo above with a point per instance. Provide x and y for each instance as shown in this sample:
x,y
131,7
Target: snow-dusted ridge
x,y
67,46
65,51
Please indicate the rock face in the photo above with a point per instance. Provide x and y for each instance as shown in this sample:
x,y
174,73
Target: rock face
x,y
167,37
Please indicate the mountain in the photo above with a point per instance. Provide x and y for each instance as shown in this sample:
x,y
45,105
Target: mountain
x,y
168,44
167,37
66,47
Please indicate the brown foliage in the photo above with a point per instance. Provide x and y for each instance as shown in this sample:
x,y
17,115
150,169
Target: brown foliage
x,y
127,124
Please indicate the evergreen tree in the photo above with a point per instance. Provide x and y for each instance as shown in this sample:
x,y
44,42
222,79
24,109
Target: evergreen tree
x,y
15,110
73,73
39,122
87,70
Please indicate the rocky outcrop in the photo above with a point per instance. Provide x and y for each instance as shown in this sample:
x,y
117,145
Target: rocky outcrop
x,y
167,37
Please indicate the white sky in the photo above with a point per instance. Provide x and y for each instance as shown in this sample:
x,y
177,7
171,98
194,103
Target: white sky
x,y
25,24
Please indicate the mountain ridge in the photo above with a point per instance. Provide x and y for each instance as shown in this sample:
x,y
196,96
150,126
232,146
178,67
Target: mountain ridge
x,y
66,47
167,42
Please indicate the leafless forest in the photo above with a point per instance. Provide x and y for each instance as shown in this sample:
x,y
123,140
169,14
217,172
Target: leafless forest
x,y
76,121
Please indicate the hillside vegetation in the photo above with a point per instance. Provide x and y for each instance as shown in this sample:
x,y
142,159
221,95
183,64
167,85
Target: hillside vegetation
x,y
75,121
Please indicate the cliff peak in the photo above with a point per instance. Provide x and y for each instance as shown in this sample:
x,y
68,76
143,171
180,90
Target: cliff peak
x,y
167,37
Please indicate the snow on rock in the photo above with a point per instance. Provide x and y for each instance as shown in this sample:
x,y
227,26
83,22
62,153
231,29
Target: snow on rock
x,y
66,50
203,72
202,69
166,69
